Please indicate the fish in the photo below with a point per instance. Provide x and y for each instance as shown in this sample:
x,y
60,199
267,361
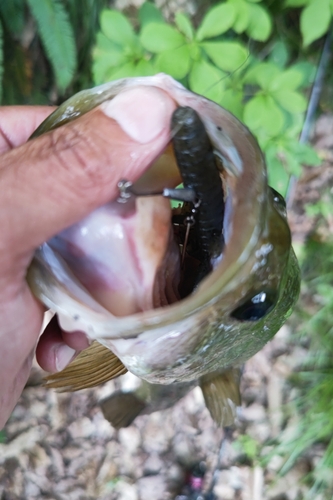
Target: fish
x,y
170,335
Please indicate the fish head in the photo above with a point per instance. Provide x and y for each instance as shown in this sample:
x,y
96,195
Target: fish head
x,y
115,275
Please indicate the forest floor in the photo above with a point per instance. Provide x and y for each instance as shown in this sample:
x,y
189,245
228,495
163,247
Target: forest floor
x,y
58,446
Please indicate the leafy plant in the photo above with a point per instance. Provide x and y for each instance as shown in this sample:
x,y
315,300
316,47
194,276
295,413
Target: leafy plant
x,y
266,93
57,37
315,19
248,447
177,50
312,406
39,35
55,31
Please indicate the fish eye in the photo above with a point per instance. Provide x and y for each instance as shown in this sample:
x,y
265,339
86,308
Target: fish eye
x,y
256,307
278,198
279,202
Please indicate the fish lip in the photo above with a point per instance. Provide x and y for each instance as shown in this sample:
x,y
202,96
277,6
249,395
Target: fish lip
x,y
249,171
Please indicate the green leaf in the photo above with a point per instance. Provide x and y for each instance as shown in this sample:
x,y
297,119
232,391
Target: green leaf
x,y
175,62
260,25
106,55
293,165
280,54
117,28
145,68
184,25
305,153
12,12
195,51
290,79
315,20
57,38
293,125
291,101
104,46
242,15
125,71
1,60
206,79
242,21
250,75
278,178
232,100
158,37
263,112
103,65
149,13
228,56
217,21
308,71
263,74
266,74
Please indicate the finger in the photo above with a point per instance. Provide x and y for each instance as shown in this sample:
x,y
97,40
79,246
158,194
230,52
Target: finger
x,y
53,337
52,353
21,321
12,388
55,180
17,123
76,340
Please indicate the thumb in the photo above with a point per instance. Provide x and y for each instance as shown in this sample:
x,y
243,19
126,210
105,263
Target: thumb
x,y
55,180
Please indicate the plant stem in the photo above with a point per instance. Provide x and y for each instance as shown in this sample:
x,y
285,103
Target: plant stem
x,y
312,106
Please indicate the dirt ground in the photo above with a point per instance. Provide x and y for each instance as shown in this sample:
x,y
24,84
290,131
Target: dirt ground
x,y
59,447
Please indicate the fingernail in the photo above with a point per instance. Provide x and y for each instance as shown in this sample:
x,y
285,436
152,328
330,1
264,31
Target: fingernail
x,y
63,355
142,112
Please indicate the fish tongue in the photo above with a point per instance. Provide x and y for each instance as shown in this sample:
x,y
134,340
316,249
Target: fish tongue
x,y
125,255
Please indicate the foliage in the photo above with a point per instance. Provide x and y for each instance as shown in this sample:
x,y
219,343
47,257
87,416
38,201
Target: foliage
x,y
312,406
39,34
57,37
309,412
247,447
266,92
316,17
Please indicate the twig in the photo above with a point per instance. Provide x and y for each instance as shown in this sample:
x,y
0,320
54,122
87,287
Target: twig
x,y
312,106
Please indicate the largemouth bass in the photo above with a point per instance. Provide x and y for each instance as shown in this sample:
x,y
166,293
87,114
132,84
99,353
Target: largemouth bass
x,y
143,321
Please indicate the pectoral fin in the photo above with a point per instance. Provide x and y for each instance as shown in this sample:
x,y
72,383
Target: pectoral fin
x,y
90,368
222,396
121,408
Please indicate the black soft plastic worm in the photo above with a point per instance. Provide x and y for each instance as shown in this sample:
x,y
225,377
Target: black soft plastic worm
x,y
196,162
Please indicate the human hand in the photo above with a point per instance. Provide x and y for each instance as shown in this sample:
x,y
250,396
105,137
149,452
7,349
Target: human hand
x,y
46,185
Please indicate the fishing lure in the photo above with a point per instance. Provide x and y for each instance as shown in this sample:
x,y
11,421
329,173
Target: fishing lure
x,y
197,165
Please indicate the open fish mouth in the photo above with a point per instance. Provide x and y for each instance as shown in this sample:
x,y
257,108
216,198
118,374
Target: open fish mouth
x,y
140,274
